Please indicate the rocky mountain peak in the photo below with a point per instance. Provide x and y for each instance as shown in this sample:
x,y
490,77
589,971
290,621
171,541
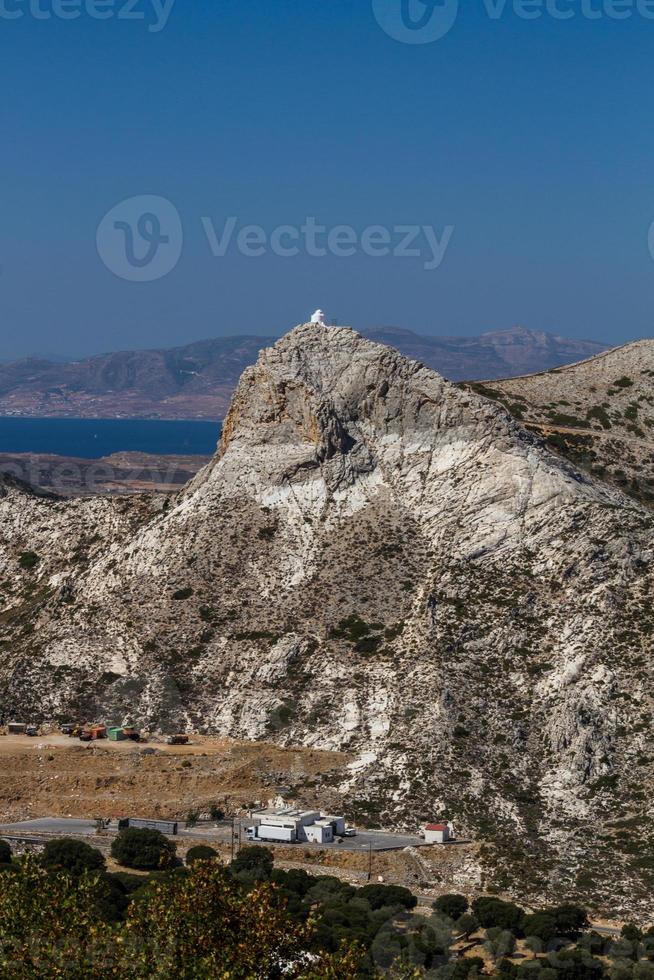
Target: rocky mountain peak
x,y
379,562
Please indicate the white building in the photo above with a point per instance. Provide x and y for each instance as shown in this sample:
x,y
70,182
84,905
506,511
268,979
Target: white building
x,y
437,833
287,823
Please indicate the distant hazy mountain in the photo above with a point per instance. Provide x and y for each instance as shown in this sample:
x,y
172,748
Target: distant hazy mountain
x,y
196,381
498,354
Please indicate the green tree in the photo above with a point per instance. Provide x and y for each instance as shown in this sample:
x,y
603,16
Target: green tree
x,y
499,943
467,924
380,896
201,852
453,906
51,925
576,964
469,966
197,926
74,856
541,925
143,849
570,919
5,852
493,912
253,863
201,928
534,945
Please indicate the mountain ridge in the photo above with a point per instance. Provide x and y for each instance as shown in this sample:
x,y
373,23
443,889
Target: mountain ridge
x,y
197,379
380,562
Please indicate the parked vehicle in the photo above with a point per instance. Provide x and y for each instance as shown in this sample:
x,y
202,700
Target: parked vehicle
x,y
163,826
350,832
67,729
271,833
31,730
97,731
177,740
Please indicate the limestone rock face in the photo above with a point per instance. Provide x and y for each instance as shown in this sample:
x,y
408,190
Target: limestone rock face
x,y
379,561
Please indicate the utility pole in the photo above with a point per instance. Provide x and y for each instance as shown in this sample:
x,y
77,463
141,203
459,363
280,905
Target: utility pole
x,y
369,860
233,838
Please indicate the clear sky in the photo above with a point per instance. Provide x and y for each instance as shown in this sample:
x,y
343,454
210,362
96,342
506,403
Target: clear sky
x,y
523,145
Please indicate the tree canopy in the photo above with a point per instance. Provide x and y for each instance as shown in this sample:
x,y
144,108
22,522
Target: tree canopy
x,y
74,856
143,849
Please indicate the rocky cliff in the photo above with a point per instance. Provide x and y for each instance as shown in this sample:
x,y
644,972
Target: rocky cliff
x,y
378,561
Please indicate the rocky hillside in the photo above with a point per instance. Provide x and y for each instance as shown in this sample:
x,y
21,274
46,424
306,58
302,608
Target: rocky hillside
x,y
197,381
379,562
598,413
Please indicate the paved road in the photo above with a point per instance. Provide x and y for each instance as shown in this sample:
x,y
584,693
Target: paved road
x,y
51,825
67,826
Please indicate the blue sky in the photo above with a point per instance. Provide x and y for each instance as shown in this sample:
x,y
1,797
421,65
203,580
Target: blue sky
x,y
530,139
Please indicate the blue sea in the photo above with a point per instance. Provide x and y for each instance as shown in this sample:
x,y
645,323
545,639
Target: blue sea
x,y
93,438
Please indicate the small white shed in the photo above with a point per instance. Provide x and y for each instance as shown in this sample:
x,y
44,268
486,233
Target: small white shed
x,y
437,833
320,832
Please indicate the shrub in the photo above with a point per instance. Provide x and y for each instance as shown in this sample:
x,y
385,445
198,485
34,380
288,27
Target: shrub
x,y
74,856
453,906
145,850
5,852
28,560
201,852
183,593
216,813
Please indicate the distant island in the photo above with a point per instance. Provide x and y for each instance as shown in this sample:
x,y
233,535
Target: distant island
x,y
196,381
